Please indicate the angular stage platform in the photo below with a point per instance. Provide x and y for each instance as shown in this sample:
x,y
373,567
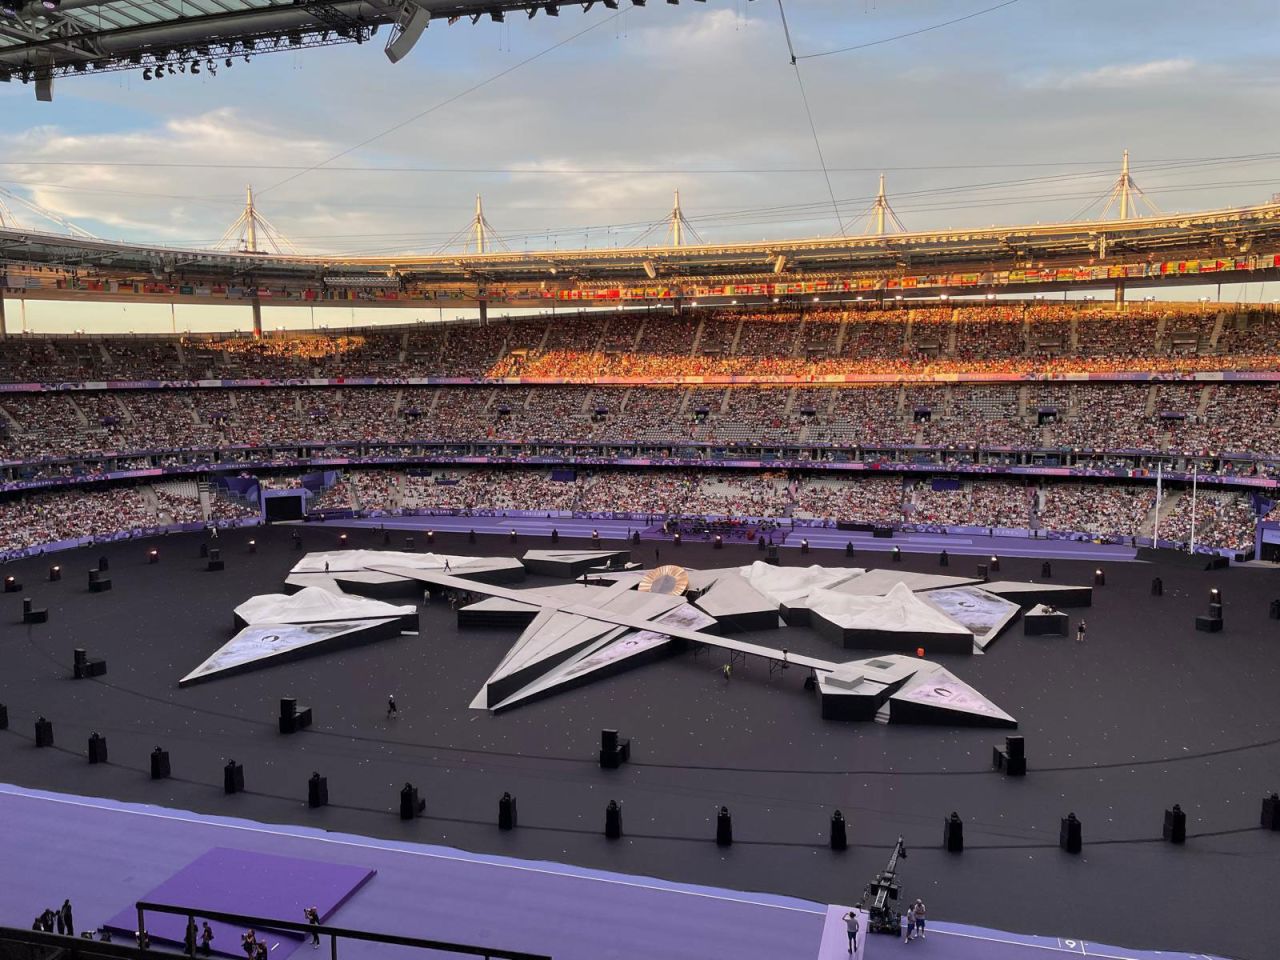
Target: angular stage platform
x,y
571,564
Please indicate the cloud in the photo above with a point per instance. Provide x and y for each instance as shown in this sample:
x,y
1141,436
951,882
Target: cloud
x,y
1122,75
670,90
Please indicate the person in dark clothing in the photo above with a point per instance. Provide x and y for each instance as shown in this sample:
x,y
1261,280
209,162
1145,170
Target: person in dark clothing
x,y
391,706
313,918
61,924
249,942
206,938
189,937
262,950
67,919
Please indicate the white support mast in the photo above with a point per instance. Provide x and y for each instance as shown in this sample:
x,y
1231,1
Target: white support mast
x,y
250,228
1126,196
879,217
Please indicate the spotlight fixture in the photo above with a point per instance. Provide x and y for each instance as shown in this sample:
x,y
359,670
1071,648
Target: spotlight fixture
x,y
553,9
146,74
195,68
51,4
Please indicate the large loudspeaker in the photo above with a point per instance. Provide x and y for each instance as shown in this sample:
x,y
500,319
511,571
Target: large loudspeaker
x,y
160,769
410,23
233,777
317,791
1175,825
411,805
293,717
30,614
1070,834
953,834
83,668
613,820
507,812
839,835
724,828
97,748
1271,812
614,750
1011,758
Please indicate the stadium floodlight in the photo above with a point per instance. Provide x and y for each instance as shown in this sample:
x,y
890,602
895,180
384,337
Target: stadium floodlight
x,y
146,73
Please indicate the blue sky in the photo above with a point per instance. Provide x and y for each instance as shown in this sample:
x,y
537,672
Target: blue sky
x,y
1062,86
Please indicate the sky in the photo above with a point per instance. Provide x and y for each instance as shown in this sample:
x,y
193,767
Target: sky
x,y
1016,116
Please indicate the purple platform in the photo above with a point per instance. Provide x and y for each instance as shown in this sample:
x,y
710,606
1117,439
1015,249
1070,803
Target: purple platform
x,y
54,848
243,881
820,538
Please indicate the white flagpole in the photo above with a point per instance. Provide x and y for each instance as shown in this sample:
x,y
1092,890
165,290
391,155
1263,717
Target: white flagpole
x,y
1195,474
1155,534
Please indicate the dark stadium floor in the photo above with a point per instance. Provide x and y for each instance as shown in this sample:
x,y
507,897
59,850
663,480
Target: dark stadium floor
x,y
1146,714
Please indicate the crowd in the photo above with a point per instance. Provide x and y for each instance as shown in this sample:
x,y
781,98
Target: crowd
x,y
1237,418
1223,519
1107,510
52,517
992,338
987,503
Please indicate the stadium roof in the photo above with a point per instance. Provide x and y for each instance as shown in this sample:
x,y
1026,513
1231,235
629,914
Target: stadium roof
x,y
1224,233
44,39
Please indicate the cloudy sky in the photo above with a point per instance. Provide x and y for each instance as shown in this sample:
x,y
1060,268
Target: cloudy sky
x,y
1018,115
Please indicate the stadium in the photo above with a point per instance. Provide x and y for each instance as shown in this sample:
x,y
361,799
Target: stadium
x,y
675,597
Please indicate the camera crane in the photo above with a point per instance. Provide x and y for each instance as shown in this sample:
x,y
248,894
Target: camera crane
x,y
879,892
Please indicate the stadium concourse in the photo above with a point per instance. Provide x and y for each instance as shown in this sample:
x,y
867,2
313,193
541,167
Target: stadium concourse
x,y
1118,448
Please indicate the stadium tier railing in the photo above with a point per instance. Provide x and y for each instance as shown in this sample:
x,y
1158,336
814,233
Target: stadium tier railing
x,y
335,935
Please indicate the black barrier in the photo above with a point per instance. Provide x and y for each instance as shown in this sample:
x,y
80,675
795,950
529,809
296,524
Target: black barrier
x,y
336,934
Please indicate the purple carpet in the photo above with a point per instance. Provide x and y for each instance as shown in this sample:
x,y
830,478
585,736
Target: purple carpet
x,y
242,881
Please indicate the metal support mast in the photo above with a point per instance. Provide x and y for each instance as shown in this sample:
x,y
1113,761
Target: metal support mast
x,y
250,228
250,220
880,216
677,223
1125,196
479,225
